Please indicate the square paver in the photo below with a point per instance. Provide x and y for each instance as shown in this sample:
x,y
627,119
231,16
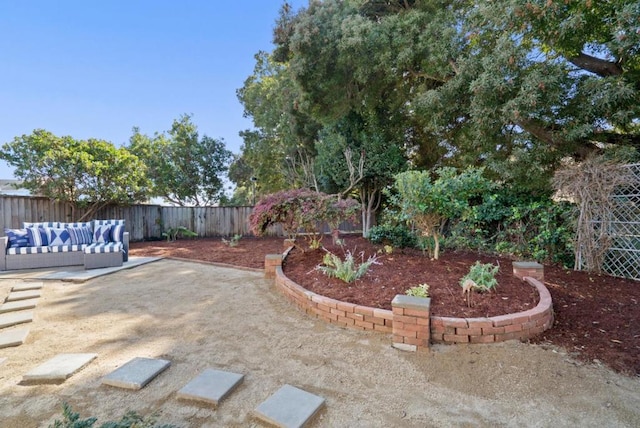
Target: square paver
x,y
27,286
58,368
18,305
14,337
13,318
23,295
210,386
136,373
289,407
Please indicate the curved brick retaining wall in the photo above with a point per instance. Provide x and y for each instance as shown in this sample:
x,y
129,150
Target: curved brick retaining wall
x,y
521,325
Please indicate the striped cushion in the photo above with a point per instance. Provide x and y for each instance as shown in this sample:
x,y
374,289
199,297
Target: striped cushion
x,y
57,236
107,247
109,222
17,237
37,236
117,232
80,235
66,248
27,250
88,224
41,224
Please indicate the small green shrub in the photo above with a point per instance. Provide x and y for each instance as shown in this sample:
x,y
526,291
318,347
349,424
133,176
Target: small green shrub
x,y
233,242
483,275
173,233
398,236
71,419
347,270
420,290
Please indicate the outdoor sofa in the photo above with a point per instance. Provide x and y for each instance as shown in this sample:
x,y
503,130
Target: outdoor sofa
x,y
93,244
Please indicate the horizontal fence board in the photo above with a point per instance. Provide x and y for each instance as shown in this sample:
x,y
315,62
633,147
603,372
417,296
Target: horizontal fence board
x,y
143,222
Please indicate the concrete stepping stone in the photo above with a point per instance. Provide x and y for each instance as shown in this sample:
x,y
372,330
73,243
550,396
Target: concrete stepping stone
x,y
22,295
18,305
136,373
210,386
15,337
13,318
289,407
59,368
27,286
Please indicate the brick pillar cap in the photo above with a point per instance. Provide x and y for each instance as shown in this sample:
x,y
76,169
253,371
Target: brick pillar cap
x,y
411,302
527,265
273,256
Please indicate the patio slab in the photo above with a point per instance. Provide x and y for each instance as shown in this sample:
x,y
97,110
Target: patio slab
x,y
211,386
289,407
58,368
14,337
27,286
18,305
23,295
7,320
137,373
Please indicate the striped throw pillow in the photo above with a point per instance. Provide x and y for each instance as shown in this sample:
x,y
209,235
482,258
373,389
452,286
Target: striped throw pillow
x,y
80,235
17,237
37,237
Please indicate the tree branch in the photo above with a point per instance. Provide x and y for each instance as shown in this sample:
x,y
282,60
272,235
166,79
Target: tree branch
x,y
595,65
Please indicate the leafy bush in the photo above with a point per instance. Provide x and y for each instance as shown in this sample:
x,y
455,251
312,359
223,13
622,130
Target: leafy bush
x,y
420,290
347,270
483,276
233,242
398,236
71,419
506,223
173,233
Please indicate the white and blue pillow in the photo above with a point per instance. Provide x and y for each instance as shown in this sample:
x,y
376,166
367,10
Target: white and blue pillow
x,y
57,236
80,235
17,237
102,234
117,232
37,237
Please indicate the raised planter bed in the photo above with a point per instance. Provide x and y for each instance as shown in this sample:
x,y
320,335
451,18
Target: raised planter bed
x,y
521,325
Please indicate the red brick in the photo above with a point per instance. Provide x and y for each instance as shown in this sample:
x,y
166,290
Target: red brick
x,y
366,325
414,341
399,325
529,324
406,320
347,321
424,335
364,310
482,339
437,321
424,321
355,316
397,311
347,307
396,338
405,333
492,330
416,313
338,312
437,338
540,315
415,327
479,322
382,328
454,322
502,320
469,331
388,323
516,335
374,320
520,318
324,308
383,313
512,328
455,338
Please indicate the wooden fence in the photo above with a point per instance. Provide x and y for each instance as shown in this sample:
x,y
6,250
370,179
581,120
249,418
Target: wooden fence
x,y
144,222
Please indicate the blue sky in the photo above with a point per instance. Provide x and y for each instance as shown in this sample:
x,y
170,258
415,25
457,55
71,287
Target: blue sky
x,y
95,69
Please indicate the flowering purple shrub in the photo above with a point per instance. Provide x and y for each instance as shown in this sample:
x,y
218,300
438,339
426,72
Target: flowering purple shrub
x,y
301,210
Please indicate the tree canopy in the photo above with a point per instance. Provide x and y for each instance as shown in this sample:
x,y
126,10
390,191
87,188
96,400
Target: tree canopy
x,y
184,168
511,85
89,173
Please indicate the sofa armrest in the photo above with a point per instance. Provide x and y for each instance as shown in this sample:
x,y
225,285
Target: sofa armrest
x,y
4,243
125,244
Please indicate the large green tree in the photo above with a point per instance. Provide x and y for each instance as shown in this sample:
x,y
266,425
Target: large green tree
x,y
87,173
185,169
512,84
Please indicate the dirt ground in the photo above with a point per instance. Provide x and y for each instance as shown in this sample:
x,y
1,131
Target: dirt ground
x,y
596,316
202,316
